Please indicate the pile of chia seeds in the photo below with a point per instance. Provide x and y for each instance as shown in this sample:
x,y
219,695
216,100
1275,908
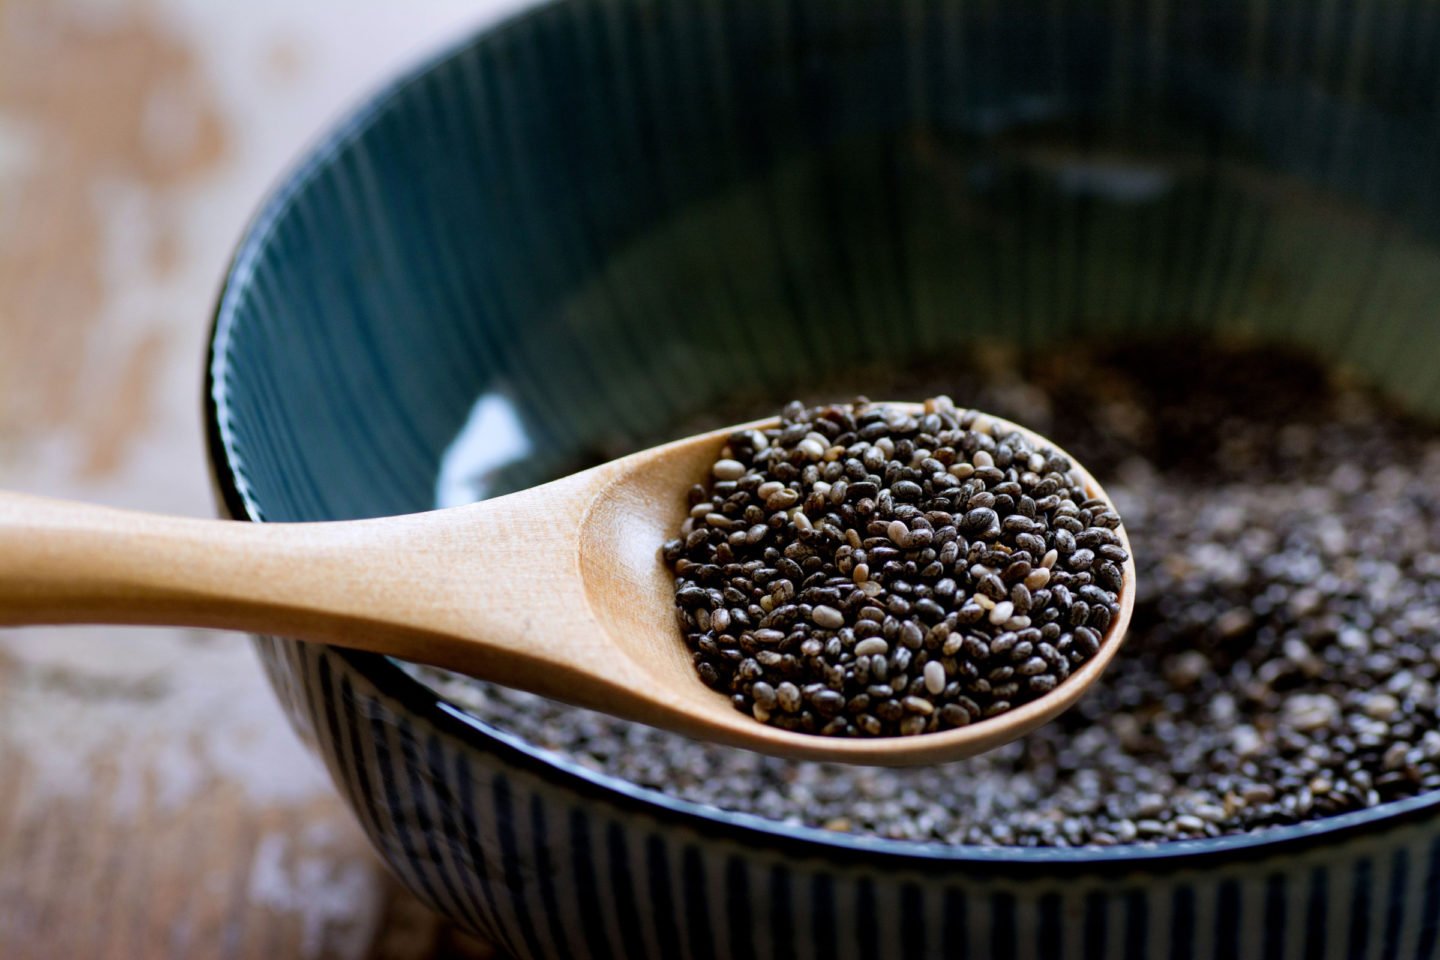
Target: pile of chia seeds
x,y
1282,661
861,570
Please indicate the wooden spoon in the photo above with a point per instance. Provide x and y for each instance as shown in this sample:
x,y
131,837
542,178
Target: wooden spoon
x,y
559,590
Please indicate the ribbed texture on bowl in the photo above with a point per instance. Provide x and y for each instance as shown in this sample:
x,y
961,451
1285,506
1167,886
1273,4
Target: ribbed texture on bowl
x,y
553,866
613,214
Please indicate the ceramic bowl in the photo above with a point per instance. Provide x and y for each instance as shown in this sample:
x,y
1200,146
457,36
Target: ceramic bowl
x,y
598,218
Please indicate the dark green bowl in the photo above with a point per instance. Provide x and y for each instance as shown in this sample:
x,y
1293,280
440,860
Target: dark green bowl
x,y
608,216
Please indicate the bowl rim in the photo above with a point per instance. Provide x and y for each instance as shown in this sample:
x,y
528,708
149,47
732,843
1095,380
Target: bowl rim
x,y
226,463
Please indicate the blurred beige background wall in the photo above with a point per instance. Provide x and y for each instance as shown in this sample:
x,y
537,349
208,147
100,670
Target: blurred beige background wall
x,y
152,801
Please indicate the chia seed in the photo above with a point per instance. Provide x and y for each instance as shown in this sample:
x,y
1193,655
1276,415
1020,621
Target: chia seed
x,y
869,657
1282,663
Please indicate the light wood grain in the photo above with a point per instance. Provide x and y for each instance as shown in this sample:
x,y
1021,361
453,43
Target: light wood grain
x,y
99,874
558,590
136,138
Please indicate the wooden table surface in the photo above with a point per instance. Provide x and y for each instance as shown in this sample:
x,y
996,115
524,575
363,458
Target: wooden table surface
x,y
153,803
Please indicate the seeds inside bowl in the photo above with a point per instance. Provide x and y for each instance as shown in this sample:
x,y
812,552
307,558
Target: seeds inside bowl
x,y
1282,664
864,570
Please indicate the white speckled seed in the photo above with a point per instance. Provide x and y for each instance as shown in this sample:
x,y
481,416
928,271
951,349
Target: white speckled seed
x,y
728,469
1038,578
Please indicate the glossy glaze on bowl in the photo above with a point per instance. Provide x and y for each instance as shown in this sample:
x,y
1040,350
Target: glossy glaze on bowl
x,y
608,215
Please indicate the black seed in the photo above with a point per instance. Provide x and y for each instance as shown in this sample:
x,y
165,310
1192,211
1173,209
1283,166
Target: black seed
x,y
981,522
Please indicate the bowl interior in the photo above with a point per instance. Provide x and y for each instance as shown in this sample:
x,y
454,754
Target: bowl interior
x,y
577,230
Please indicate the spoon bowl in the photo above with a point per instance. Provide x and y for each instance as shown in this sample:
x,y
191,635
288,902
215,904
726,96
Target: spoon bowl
x,y
559,590
624,581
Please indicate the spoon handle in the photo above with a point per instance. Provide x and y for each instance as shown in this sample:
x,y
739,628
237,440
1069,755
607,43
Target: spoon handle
x,y
66,562
464,588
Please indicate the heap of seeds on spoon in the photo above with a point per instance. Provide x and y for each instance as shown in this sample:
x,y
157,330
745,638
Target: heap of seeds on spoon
x,y
864,570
